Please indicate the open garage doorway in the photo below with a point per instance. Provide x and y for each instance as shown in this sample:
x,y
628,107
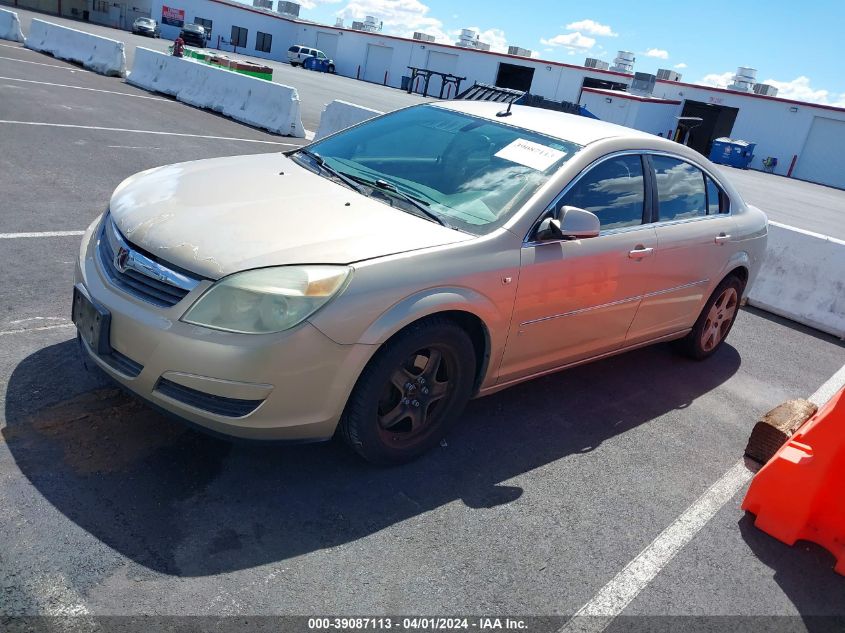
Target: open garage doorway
x,y
515,77
716,121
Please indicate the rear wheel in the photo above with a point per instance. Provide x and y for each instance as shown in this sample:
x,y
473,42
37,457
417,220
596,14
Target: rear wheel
x,y
410,393
715,321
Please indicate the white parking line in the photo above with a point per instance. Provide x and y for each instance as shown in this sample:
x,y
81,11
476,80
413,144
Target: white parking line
x,y
120,129
826,391
20,47
611,600
26,61
41,328
14,236
112,92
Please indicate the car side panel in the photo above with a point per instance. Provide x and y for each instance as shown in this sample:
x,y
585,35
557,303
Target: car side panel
x,y
386,294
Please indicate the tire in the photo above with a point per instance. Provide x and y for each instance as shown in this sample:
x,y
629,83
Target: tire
x,y
410,393
715,321
331,69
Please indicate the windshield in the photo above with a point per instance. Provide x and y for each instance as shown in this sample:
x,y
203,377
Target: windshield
x,y
470,172
146,21
194,28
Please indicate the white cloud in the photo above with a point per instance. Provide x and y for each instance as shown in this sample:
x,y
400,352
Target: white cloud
x,y
798,89
657,52
400,17
570,41
717,80
680,66
495,38
801,90
592,27
312,4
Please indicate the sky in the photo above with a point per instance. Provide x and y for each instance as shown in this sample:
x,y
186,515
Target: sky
x,y
791,44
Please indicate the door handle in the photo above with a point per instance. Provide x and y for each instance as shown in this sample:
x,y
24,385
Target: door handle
x,y
640,251
722,238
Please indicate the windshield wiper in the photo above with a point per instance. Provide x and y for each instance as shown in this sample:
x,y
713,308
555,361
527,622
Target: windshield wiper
x,y
349,182
389,187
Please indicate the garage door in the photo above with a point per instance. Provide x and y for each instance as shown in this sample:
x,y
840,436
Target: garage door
x,y
377,63
327,42
442,62
821,160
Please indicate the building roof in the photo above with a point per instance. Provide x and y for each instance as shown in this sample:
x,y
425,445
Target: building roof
x,y
752,95
569,127
262,11
632,97
547,62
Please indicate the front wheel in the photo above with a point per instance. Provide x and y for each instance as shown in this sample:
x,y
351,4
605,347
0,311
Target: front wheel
x,y
715,321
410,393
331,69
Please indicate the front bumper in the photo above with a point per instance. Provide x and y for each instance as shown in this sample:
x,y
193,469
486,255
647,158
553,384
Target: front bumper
x,y
288,386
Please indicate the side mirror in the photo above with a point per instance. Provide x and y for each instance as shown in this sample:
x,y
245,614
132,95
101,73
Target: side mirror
x,y
574,224
577,224
548,230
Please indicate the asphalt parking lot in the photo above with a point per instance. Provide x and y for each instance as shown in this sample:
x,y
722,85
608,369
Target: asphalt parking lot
x,y
540,498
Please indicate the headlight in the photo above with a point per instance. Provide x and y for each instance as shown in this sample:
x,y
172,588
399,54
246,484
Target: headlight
x,y
268,299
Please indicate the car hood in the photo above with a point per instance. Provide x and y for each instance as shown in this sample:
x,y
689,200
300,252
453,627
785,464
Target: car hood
x,y
219,216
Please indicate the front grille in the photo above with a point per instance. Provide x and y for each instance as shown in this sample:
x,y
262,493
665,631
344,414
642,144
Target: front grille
x,y
219,405
134,281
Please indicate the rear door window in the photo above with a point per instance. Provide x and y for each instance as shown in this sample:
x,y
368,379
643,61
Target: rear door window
x,y
680,189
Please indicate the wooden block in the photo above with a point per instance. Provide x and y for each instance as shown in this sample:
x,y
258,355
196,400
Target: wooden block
x,y
776,427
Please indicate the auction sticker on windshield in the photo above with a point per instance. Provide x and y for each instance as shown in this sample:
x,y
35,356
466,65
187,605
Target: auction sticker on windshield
x,y
533,155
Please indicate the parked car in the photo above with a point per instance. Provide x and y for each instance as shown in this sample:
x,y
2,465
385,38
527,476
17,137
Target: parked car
x,y
193,34
371,283
298,54
146,26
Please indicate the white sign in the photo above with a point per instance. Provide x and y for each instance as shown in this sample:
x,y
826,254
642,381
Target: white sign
x,y
530,154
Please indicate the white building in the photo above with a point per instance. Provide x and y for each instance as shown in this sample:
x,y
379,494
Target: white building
x,y
805,138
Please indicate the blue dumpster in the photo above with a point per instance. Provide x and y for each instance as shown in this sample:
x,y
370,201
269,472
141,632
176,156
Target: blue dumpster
x,y
320,65
731,152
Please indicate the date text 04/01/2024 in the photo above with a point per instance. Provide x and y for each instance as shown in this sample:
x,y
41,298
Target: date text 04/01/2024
x,y
415,623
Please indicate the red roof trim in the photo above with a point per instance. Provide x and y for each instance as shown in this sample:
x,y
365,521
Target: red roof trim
x,y
755,96
623,95
546,62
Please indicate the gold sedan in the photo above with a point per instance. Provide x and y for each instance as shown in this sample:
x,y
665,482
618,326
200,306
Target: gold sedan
x,y
373,282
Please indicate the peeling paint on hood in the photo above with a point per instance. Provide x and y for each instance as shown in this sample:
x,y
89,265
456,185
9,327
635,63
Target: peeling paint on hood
x,y
223,215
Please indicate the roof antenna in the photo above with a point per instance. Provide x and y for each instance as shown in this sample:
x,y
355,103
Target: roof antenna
x,y
508,111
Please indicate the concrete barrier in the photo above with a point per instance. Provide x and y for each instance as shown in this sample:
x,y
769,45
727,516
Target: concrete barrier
x,y
339,115
257,102
803,279
10,26
96,53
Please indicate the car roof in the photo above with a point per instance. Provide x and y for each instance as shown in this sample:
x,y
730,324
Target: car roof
x,y
569,127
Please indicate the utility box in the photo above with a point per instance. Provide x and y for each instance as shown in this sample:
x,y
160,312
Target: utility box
x,y
733,153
